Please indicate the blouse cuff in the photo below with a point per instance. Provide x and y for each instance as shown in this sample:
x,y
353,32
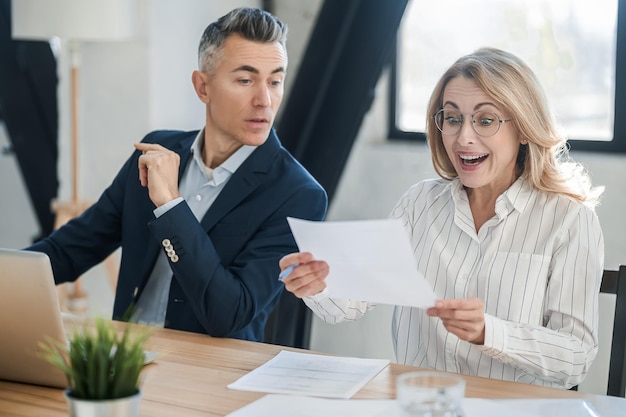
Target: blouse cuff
x,y
495,337
319,296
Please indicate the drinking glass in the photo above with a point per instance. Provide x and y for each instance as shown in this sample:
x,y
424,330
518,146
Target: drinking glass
x,y
430,394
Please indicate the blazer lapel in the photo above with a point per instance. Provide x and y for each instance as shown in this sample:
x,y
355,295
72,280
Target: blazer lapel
x,y
243,182
184,151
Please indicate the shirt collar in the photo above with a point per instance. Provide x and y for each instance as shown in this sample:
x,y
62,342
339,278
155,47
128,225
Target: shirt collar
x,y
226,168
516,197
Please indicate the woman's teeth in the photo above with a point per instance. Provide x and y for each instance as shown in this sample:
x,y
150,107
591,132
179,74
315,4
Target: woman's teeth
x,y
473,159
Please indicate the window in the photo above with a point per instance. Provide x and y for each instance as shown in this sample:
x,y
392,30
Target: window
x,y
577,49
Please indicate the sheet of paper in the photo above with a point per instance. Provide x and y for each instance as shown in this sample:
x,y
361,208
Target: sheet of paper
x,y
298,406
370,260
574,407
312,375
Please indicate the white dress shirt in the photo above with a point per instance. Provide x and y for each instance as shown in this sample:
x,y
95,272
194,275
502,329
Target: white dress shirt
x,y
537,265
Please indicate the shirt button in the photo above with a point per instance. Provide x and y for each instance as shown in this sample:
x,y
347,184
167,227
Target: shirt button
x,y
198,197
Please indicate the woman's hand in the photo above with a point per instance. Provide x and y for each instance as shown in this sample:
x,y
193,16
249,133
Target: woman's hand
x,y
463,317
307,278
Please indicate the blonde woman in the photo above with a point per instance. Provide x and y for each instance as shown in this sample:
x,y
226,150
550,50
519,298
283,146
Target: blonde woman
x,y
507,237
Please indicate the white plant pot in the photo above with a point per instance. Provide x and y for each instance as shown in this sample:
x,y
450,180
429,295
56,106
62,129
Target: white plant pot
x,y
119,407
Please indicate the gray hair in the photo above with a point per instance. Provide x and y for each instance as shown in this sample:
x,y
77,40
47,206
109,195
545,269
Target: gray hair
x,y
250,23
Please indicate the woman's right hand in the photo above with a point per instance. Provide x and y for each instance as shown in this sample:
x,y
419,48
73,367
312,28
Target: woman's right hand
x,y
308,277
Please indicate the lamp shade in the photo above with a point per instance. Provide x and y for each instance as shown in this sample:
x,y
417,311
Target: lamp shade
x,y
82,20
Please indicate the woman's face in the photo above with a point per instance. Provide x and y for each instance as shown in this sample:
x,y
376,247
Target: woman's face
x,y
482,162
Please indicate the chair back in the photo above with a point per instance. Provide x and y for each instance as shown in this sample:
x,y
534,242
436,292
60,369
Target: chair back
x,y
614,282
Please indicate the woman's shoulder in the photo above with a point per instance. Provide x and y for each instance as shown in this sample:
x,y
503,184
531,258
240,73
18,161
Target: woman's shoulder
x,y
562,205
431,187
425,193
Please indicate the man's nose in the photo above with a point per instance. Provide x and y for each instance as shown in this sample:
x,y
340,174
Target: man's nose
x,y
262,97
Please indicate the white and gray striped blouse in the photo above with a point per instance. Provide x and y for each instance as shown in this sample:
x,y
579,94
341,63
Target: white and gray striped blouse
x,y
537,265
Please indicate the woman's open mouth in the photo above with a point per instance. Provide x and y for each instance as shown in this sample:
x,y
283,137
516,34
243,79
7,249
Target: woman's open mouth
x,y
472,160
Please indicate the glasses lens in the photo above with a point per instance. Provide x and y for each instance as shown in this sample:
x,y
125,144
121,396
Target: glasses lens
x,y
448,121
485,123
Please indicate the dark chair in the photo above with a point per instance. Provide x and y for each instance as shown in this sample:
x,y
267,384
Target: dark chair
x,y
614,282
290,323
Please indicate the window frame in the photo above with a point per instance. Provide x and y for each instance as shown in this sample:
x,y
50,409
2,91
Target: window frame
x,y
617,144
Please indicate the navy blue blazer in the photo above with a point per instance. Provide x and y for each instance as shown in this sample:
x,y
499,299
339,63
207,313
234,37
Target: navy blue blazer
x,y
225,278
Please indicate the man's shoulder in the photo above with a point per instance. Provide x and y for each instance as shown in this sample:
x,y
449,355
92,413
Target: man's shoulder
x,y
283,166
292,171
169,137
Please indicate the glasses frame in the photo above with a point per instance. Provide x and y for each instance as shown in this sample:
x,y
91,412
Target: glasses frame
x,y
463,117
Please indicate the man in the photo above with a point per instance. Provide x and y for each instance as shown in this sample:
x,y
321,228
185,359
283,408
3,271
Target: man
x,y
201,216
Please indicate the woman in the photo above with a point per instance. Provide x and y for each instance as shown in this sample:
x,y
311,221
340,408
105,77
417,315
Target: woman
x,y
507,237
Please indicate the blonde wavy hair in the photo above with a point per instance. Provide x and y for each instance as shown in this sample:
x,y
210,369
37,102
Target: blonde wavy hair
x,y
544,161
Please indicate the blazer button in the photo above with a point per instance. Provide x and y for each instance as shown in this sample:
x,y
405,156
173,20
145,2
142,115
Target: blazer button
x,y
174,258
166,242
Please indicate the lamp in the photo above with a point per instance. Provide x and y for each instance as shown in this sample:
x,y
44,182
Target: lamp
x,y
74,22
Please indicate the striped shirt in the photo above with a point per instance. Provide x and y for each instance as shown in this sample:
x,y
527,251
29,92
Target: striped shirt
x,y
537,265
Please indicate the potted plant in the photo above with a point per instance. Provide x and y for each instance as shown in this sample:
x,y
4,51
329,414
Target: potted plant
x,y
102,367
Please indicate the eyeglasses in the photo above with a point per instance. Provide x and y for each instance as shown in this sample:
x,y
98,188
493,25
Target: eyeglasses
x,y
485,123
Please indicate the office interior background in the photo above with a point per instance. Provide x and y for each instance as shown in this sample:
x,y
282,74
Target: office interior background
x,y
129,88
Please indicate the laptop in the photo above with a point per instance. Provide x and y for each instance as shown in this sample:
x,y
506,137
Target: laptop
x,y
29,314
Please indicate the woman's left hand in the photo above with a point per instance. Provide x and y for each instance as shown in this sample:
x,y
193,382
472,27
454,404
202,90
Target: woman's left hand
x,y
464,317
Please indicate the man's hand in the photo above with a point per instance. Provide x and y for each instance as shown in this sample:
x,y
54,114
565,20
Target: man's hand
x,y
308,277
464,318
158,170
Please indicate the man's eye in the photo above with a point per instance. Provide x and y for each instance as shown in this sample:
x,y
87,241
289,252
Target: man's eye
x,y
245,81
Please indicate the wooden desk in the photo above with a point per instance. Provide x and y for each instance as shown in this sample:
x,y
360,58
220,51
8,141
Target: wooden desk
x,y
191,372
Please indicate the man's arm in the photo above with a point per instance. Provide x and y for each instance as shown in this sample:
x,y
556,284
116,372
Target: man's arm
x,y
88,239
231,275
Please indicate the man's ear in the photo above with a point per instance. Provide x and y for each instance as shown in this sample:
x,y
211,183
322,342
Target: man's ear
x,y
201,85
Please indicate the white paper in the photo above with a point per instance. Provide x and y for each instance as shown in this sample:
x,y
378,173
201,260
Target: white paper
x,y
476,407
369,260
312,375
298,406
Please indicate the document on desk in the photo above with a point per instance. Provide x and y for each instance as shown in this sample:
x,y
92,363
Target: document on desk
x,y
311,375
369,260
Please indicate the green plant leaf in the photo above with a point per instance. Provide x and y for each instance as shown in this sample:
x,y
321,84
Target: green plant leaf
x,y
99,364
